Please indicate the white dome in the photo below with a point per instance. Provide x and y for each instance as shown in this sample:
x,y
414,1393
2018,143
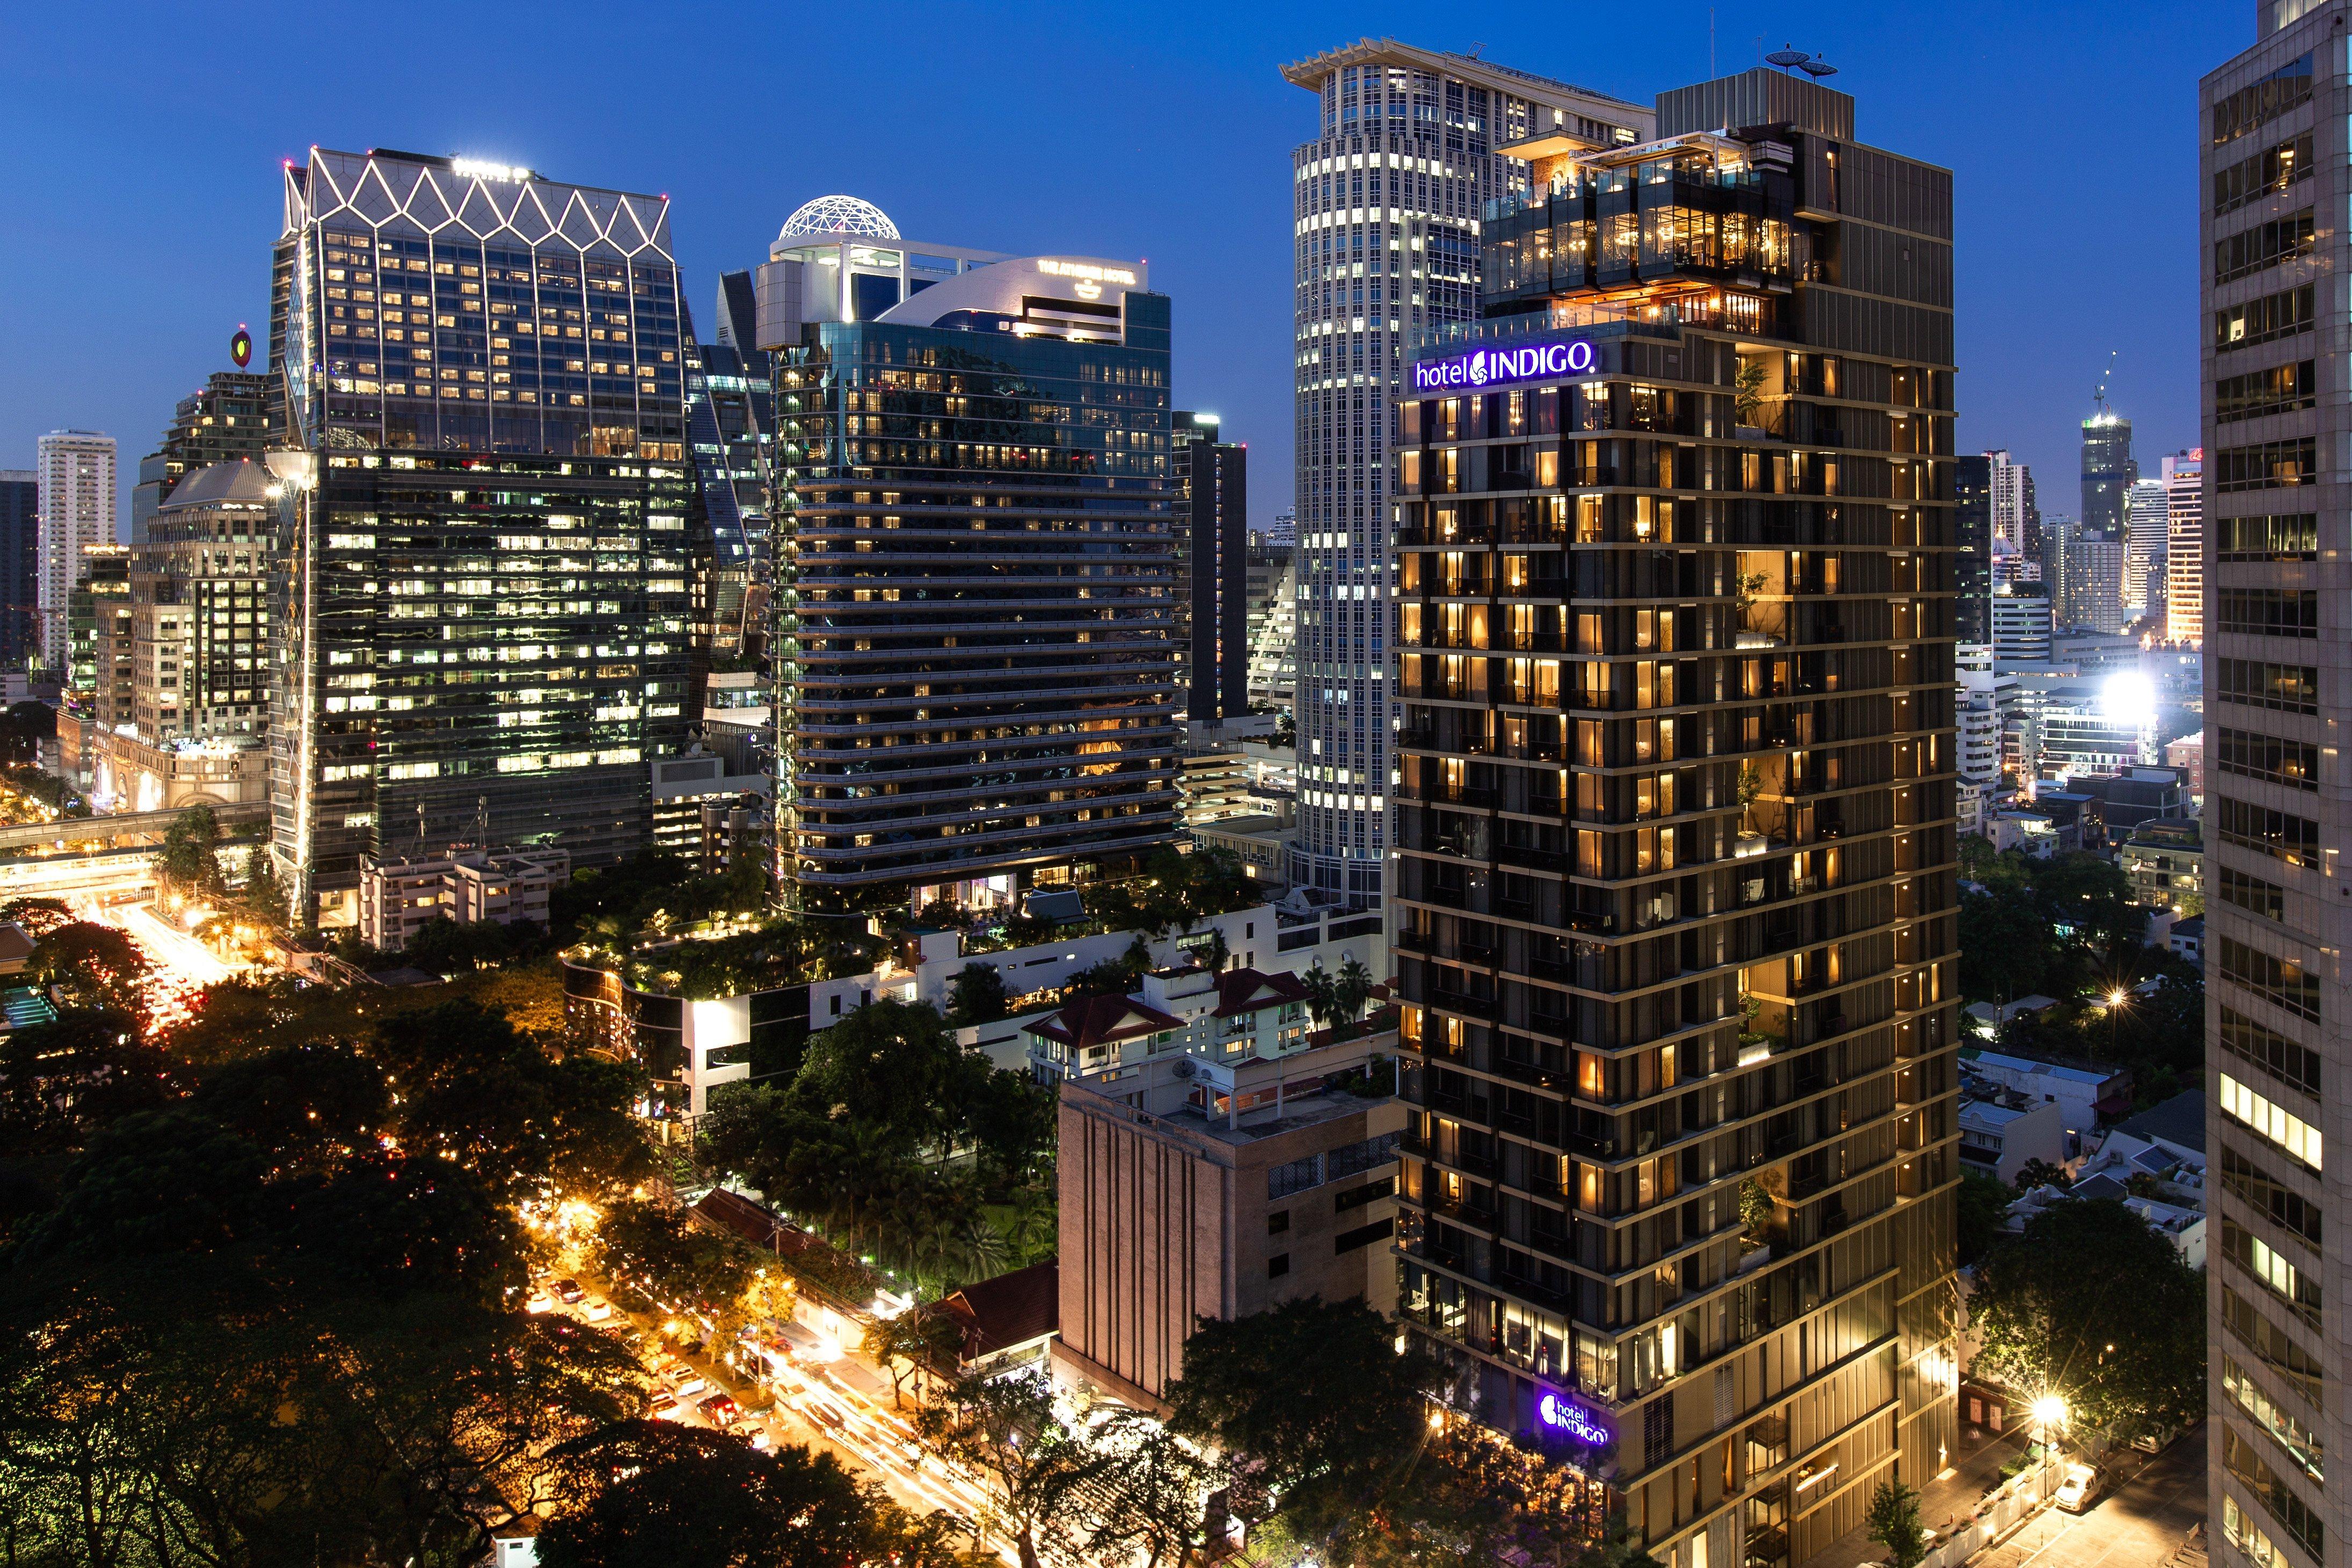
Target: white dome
x,y
839,216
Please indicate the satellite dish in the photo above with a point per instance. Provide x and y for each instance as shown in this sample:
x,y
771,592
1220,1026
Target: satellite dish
x,y
1818,68
1785,57
1180,1069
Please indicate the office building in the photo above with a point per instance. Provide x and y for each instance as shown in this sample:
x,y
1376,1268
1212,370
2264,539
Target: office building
x,y
1675,824
2020,624
464,884
200,641
2095,581
481,629
1274,634
224,419
2184,563
2108,470
77,501
974,676
20,568
2016,520
2272,123
1385,204
1973,562
99,669
2147,508
1283,532
2058,535
731,426
1210,479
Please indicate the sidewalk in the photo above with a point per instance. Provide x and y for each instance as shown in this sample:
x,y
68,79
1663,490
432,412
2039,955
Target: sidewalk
x,y
1943,1503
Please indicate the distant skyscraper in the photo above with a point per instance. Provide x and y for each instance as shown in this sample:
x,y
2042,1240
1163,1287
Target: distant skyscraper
x,y
1283,532
224,419
730,425
2015,518
1972,531
2147,510
77,501
1211,478
2184,567
2270,233
1386,205
2057,533
974,681
20,573
2095,581
483,621
2108,471
2021,622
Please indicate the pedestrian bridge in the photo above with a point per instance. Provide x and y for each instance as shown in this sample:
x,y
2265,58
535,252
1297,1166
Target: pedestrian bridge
x,y
121,825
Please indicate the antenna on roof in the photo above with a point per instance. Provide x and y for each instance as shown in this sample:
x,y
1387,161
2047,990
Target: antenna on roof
x,y
2099,396
1475,49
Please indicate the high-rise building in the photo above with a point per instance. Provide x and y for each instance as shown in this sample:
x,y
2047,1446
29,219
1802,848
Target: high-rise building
x,y
224,419
2108,472
481,626
2016,520
2184,564
1283,532
2021,622
2095,580
2274,127
1973,562
1674,843
20,567
1385,203
1210,478
77,500
730,428
200,608
100,674
2148,512
975,680
2058,533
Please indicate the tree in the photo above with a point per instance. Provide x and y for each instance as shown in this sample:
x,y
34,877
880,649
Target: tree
x,y
1352,991
1150,1501
1322,994
2007,946
976,995
1747,390
1217,952
2091,1304
652,1494
1984,1205
1894,1521
89,966
1313,1392
1004,1430
63,1080
264,896
2036,1173
189,864
921,1337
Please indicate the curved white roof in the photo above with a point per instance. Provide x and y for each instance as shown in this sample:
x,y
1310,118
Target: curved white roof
x,y
839,216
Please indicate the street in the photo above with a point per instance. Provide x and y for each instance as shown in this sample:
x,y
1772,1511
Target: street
x,y
2140,1525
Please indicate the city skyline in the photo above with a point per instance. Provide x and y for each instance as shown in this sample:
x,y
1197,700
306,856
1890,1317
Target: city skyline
x,y
128,348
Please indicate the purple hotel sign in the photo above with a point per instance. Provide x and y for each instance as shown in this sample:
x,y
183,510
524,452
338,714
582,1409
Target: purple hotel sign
x,y
1564,1414
1484,367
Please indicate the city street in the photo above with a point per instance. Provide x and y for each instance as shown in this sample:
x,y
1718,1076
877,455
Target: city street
x,y
2139,1525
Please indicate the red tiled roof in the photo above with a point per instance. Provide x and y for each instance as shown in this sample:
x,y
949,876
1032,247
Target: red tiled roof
x,y
1098,1020
1248,991
1009,1309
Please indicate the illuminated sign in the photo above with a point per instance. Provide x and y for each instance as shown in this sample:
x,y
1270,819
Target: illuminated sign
x,y
476,168
240,347
1572,1419
1484,367
1086,270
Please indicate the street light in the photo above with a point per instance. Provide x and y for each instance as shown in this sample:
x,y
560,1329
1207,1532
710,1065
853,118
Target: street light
x,y
2117,997
2049,1411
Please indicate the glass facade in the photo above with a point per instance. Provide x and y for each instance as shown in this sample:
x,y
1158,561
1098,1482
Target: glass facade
x,y
483,621
974,600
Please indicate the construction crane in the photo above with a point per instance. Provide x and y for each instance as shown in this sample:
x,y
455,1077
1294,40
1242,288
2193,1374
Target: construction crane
x,y
2099,397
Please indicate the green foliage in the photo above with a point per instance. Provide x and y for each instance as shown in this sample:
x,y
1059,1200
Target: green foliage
x,y
2040,1172
263,897
780,953
1034,1467
1894,1522
976,995
446,948
2093,1305
62,1080
1747,390
1175,892
1984,1205
921,1337
654,1494
1756,1209
87,965
189,863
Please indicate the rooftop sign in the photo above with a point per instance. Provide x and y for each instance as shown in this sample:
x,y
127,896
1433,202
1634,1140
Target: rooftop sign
x,y
1486,367
477,169
1086,270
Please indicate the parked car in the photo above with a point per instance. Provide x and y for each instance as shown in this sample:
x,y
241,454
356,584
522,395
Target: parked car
x,y
571,1292
720,1410
598,1311
687,1382
2078,1489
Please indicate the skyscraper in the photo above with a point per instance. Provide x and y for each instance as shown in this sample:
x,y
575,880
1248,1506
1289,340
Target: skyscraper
x,y
1972,532
2148,536
2272,122
2095,580
1385,201
2015,518
2184,568
2108,471
20,568
1210,476
224,419
77,478
482,615
974,681
1676,855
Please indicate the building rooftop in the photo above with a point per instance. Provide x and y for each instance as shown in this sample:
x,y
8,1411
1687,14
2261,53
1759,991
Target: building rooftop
x,y
1008,1310
242,482
1102,1021
2001,1061
1248,991
2179,1120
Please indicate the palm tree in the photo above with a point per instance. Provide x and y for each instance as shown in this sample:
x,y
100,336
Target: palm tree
x,y
1353,990
1216,953
1322,996
985,1245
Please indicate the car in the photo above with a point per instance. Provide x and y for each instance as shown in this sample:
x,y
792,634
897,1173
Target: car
x,y
538,1302
686,1381
761,1440
720,1410
597,1311
571,1292
668,1407
2078,1489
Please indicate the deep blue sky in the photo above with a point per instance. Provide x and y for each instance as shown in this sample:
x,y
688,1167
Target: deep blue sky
x,y
140,149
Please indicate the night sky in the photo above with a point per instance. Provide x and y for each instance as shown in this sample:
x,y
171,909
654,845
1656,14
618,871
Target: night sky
x,y
140,150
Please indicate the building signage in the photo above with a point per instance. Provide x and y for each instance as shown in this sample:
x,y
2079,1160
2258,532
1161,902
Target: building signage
x,y
1484,367
1567,1415
478,169
1086,270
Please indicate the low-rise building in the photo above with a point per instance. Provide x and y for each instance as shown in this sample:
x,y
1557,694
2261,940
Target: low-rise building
x,y
2187,938
2160,1179
2002,1132
1215,1016
2163,860
2086,1095
400,897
